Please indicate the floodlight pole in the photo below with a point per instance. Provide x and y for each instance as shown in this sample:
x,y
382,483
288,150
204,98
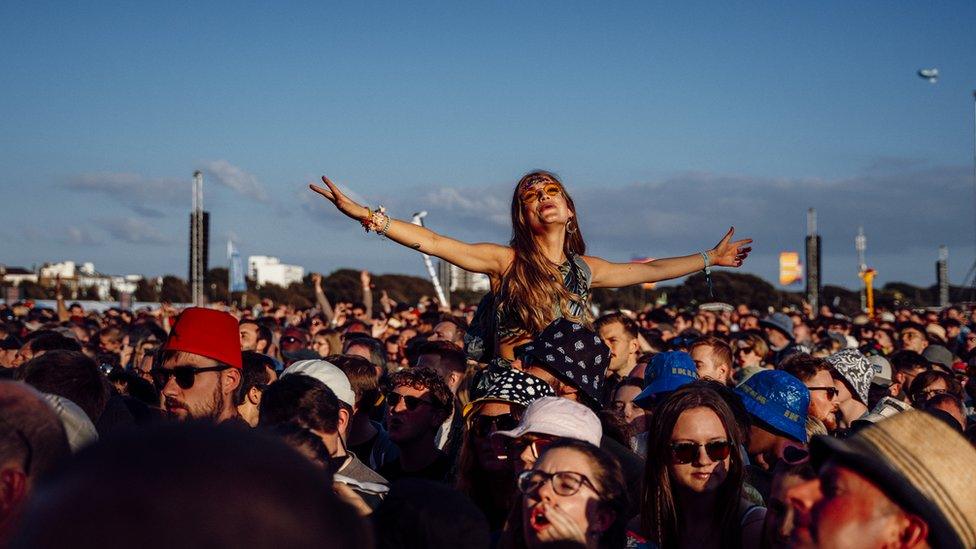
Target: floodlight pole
x,y
418,219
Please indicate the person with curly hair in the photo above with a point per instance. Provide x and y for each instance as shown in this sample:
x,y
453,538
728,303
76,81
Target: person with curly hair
x,y
418,402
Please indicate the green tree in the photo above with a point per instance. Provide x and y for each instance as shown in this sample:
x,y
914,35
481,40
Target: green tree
x,y
146,291
216,286
175,290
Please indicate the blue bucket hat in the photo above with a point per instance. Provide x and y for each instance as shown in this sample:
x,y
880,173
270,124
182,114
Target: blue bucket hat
x,y
779,400
667,372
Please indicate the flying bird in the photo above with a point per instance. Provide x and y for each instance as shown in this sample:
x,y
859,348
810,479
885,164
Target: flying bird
x,y
932,75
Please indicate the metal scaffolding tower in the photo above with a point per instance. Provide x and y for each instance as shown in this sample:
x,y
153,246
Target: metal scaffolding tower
x,y
199,242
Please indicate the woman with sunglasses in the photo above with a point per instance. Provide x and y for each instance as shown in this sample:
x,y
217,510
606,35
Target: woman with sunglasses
x,y
694,476
750,352
575,495
482,474
542,274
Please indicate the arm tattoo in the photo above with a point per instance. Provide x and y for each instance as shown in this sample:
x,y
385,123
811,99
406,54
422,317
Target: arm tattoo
x,y
415,245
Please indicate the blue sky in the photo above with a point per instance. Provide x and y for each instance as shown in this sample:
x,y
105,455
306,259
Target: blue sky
x,y
667,122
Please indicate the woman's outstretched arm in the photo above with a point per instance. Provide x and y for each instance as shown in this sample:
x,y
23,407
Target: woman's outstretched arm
x,y
618,275
491,259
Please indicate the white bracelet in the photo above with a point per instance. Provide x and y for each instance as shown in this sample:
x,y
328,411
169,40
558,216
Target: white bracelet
x,y
707,264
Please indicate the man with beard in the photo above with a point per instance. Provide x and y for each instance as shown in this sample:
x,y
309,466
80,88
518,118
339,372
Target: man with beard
x,y
201,367
815,374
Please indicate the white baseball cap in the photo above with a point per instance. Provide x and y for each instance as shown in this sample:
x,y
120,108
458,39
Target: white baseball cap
x,y
327,373
558,417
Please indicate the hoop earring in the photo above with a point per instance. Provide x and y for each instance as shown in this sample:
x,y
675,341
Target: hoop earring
x,y
569,224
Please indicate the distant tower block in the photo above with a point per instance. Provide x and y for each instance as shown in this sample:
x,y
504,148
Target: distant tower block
x,y
199,242
942,276
813,262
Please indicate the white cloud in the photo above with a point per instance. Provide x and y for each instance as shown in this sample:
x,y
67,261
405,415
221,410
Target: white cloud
x,y
145,196
236,179
134,231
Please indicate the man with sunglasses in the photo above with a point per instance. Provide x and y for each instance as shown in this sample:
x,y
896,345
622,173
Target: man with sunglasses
x,y
418,402
815,374
201,366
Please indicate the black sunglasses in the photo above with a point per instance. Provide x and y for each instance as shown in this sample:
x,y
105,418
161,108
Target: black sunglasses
x,y
832,392
483,426
185,375
687,452
410,402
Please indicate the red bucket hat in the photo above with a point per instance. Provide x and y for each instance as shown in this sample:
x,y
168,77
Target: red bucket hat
x,y
207,332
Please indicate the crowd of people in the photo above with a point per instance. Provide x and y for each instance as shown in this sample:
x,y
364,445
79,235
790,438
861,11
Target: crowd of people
x,y
530,420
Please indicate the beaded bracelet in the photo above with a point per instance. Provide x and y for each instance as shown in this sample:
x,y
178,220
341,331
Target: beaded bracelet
x,y
367,221
386,227
375,219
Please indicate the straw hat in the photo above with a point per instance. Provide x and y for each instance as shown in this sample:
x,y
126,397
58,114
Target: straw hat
x,y
922,464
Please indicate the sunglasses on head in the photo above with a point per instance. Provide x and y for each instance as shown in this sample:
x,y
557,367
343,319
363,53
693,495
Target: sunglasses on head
x,y
687,452
483,426
531,195
184,375
832,392
513,448
409,402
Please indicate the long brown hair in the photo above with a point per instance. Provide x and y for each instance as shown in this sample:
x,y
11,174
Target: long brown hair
x,y
533,284
472,481
660,515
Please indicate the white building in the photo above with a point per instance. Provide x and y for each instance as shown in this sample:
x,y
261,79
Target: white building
x,y
465,280
75,278
64,269
270,270
15,275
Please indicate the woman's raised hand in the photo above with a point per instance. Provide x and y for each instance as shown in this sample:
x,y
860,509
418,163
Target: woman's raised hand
x,y
342,202
731,254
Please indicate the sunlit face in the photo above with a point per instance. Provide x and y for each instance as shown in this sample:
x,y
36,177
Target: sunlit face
x,y
823,401
321,345
708,365
249,337
703,474
444,331
913,340
623,348
582,508
849,507
204,400
746,355
544,203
